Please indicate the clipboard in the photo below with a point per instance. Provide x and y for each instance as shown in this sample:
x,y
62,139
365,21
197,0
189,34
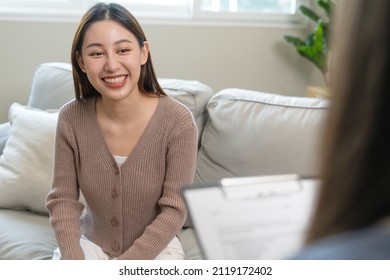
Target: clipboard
x,y
260,217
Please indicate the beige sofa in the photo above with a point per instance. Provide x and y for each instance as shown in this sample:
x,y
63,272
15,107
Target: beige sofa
x,y
241,133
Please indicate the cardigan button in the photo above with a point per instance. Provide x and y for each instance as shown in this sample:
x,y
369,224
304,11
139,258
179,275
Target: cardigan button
x,y
114,193
115,221
115,246
116,171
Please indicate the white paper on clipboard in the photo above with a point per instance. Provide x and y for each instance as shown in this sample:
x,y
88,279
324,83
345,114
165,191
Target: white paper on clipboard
x,y
251,217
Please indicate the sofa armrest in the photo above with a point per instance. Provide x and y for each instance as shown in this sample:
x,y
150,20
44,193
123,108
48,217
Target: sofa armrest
x,y
4,132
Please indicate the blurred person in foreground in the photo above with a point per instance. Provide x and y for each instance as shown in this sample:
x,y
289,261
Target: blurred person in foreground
x,y
352,214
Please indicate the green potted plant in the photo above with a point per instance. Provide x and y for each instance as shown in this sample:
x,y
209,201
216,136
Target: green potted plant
x,y
315,47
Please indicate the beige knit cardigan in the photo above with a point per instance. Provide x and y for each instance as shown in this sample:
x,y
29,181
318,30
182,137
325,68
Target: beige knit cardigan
x,y
132,211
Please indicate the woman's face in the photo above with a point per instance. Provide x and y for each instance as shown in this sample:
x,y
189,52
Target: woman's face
x,y
112,58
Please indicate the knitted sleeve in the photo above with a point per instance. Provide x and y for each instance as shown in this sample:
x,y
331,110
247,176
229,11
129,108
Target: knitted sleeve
x,y
62,201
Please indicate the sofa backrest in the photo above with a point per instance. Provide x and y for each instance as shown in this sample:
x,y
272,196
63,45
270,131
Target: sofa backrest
x,y
193,94
52,87
252,133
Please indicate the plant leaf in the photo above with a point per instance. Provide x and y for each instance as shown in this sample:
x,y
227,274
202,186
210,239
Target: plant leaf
x,y
314,48
327,5
309,13
297,42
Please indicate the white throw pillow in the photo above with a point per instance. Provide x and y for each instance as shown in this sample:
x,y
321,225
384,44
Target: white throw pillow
x,y
26,165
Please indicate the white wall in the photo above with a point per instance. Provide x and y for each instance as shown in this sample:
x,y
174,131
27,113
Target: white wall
x,y
254,58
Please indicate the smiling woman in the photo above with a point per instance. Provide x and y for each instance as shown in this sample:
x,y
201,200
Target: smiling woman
x,y
123,144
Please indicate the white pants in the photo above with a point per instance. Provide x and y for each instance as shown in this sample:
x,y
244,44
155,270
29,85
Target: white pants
x,y
173,251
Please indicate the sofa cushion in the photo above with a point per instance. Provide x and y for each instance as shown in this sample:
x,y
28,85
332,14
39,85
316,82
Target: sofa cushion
x,y
190,244
253,133
27,160
52,87
25,236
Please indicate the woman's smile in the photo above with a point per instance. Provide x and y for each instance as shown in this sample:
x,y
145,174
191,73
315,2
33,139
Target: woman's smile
x,y
115,82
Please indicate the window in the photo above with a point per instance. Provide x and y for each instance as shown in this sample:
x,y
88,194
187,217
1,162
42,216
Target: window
x,y
248,11
190,11
249,6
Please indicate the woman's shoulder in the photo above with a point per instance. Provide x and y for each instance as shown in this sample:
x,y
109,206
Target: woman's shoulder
x,y
175,108
76,106
174,115
368,243
76,112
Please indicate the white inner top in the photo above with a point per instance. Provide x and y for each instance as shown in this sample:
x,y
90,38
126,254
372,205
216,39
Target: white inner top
x,y
120,160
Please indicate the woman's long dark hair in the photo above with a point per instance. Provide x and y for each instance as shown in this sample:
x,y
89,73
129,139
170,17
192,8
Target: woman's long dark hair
x,y
147,84
355,189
